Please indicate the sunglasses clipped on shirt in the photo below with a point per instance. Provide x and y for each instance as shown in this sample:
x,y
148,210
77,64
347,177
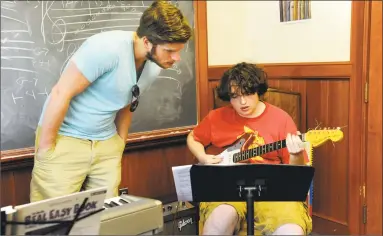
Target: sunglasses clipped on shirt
x,y
135,97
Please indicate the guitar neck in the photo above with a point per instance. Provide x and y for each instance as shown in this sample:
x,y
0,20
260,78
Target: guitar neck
x,y
250,153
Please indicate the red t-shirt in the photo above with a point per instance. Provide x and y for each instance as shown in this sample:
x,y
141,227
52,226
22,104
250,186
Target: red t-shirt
x,y
223,127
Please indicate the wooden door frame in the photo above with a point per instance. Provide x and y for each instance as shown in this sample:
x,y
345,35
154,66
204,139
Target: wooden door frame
x,y
373,152
360,30
200,16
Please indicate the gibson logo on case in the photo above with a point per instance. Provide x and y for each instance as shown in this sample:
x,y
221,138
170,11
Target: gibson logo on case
x,y
182,223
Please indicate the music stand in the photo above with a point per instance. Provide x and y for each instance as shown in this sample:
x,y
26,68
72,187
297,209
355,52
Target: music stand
x,y
250,183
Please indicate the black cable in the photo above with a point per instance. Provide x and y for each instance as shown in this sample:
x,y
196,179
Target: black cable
x,y
175,217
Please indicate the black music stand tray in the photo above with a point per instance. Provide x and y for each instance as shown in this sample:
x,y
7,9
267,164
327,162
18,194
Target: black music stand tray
x,y
250,182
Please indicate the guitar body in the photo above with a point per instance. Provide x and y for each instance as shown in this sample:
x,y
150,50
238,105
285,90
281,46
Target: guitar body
x,y
227,152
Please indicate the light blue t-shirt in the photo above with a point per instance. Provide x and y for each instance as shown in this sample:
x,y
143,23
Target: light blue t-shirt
x,y
107,61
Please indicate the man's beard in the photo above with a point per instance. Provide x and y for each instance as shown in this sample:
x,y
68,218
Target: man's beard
x,y
150,57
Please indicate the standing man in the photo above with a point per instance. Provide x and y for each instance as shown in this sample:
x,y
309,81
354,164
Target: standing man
x,y
84,124
262,123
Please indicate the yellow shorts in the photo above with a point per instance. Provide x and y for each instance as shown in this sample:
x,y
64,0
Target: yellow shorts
x,y
73,164
268,216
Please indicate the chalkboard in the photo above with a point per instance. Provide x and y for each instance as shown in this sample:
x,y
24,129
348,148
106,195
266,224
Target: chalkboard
x,y
39,37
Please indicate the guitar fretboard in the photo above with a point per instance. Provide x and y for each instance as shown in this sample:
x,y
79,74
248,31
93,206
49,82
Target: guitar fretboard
x,y
247,154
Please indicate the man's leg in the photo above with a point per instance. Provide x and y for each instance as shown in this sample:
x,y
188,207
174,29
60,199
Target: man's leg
x,y
282,218
106,165
221,218
61,170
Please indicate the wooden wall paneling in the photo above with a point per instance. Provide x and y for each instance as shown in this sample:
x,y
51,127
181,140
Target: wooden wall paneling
x,y
7,188
294,85
288,101
327,105
295,70
22,178
374,124
308,70
148,173
326,101
212,86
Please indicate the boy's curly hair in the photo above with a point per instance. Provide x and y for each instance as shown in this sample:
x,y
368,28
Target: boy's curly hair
x,y
247,78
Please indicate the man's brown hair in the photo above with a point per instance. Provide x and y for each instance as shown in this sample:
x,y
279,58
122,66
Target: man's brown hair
x,y
162,23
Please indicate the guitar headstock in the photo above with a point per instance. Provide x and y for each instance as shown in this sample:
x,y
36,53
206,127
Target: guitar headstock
x,y
319,136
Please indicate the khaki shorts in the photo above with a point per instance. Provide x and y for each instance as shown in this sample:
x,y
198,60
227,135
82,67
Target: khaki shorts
x,y
73,164
268,216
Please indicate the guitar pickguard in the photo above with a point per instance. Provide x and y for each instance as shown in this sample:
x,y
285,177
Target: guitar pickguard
x,y
227,154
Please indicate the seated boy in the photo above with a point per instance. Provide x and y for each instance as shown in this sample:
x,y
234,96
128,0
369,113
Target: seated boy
x,y
262,123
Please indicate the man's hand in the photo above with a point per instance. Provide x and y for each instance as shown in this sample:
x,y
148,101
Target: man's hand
x,y
44,147
210,159
123,121
294,144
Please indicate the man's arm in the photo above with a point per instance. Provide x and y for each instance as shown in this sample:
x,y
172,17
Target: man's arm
x,y
71,83
123,121
82,70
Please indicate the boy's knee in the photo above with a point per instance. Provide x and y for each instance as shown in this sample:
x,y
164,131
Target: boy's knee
x,y
222,220
289,229
226,211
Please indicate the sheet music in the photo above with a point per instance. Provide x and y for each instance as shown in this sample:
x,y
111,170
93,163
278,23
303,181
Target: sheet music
x,y
181,175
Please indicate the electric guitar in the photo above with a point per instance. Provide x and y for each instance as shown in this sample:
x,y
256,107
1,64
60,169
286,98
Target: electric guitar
x,y
238,152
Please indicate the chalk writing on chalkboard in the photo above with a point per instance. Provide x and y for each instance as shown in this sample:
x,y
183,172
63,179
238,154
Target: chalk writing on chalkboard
x,y
38,39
